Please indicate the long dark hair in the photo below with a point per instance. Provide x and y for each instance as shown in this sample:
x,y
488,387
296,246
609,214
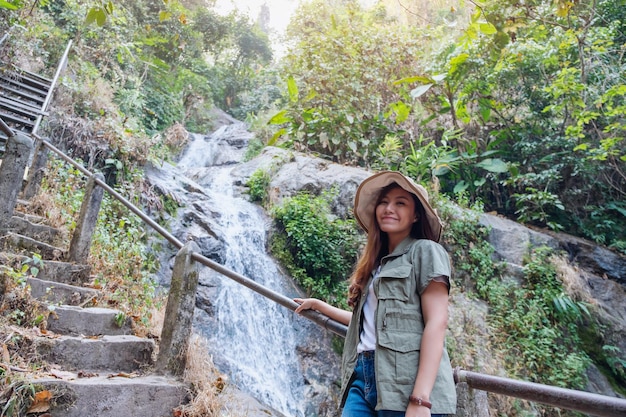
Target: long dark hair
x,y
377,245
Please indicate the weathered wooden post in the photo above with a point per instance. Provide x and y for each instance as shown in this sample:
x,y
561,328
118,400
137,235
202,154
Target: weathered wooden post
x,y
86,225
17,152
181,303
36,171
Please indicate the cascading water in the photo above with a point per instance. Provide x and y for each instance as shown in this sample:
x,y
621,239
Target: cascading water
x,y
252,339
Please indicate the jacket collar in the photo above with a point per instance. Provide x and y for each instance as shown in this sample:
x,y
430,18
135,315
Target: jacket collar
x,y
402,248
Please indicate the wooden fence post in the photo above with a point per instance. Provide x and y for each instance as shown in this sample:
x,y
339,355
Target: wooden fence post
x,y
86,225
181,303
17,152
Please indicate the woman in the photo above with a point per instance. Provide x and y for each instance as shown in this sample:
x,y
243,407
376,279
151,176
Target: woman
x,y
394,360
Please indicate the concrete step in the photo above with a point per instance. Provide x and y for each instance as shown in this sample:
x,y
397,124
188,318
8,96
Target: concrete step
x,y
59,293
57,271
13,242
65,272
123,353
93,321
104,396
30,217
36,231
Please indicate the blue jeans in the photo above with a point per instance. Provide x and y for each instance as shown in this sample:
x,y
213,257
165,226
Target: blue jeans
x,y
362,395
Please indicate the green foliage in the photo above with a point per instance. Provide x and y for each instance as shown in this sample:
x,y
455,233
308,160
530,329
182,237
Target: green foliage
x,y
118,251
255,146
534,207
235,78
120,319
614,361
524,114
126,267
257,186
536,326
541,324
34,264
338,80
472,253
11,6
318,249
261,96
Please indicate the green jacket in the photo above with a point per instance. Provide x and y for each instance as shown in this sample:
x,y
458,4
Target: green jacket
x,y
404,275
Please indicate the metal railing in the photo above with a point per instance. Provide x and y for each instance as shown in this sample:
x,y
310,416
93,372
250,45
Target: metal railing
x,y
60,69
6,129
585,402
318,318
595,404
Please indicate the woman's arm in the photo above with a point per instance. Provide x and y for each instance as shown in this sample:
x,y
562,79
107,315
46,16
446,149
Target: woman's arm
x,y
335,313
435,311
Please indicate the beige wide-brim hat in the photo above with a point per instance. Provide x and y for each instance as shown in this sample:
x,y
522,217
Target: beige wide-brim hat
x,y
367,195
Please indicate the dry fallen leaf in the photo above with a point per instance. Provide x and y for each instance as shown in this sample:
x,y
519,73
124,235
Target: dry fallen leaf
x,y
123,375
41,403
62,374
6,357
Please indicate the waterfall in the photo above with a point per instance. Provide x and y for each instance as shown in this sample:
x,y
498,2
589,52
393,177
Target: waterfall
x,y
252,339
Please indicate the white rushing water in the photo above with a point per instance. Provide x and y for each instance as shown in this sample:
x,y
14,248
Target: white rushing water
x,y
251,337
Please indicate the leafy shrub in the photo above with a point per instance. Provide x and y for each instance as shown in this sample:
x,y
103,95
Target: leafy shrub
x,y
318,249
537,326
257,186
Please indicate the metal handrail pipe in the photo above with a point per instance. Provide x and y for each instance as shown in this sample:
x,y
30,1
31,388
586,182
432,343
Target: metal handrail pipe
x,y
585,402
6,129
167,235
46,102
314,316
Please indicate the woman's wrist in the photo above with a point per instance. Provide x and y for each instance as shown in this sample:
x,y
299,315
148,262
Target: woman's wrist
x,y
420,401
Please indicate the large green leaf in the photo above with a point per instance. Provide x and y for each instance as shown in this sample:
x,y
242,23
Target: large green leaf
x,y
276,136
493,165
414,79
487,28
460,187
279,118
7,5
420,91
292,87
96,14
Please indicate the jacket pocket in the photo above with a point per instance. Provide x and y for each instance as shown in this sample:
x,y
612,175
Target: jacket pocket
x,y
401,329
399,342
394,283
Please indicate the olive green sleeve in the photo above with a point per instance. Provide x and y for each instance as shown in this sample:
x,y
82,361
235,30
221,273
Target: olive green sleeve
x,y
430,260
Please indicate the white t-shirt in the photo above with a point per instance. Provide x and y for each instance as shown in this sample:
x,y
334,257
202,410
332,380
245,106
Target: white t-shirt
x,y
368,333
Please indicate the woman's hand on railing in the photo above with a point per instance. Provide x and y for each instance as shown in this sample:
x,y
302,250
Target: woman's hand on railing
x,y
337,314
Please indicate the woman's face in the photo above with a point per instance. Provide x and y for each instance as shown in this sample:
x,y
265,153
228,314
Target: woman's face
x,y
395,212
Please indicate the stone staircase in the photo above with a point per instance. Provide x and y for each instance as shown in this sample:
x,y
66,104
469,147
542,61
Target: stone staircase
x,y
93,364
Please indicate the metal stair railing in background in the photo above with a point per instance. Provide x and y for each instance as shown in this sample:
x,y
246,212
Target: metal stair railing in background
x,y
55,79
25,96
5,128
595,404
